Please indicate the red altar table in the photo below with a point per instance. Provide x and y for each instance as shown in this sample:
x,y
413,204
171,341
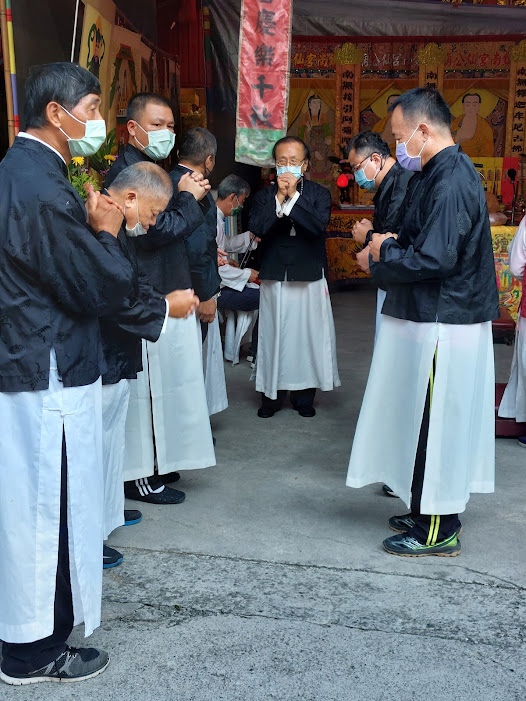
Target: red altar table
x,y
341,254
341,248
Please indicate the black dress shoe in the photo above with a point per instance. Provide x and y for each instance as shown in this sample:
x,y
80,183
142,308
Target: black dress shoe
x,y
170,477
307,411
110,557
266,413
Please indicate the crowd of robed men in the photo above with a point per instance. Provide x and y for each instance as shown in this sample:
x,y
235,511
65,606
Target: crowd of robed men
x,y
102,358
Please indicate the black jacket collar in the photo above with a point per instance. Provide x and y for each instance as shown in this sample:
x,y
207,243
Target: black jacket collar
x,y
40,151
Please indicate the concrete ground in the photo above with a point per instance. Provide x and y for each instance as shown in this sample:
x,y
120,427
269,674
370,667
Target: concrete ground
x,y
270,582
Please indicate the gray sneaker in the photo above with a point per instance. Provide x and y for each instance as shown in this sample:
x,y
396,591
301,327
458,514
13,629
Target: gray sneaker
x,y
73,665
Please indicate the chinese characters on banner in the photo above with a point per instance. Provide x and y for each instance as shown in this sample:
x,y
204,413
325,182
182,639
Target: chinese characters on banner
x,y
263,87
348,62
431,59
516,127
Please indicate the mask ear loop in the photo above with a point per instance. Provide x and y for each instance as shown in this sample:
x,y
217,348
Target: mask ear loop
x,y
137,140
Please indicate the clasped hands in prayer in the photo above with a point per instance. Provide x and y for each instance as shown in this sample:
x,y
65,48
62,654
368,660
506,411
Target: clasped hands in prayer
x,y
194,183
287,186
373,249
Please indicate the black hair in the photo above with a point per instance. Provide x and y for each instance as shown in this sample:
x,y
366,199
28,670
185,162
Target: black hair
x,y
232,184
65,83
196,145
138,102
395,94
311,98
368,142
424,103
471,94
292,140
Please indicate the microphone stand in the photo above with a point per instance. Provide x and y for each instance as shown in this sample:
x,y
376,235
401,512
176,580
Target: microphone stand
x,y
513,203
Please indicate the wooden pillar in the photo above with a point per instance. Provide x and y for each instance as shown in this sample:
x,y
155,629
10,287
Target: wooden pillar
x,y
516,118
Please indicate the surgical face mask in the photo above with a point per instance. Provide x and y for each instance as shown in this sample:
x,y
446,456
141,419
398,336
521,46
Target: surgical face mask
x,y
90,143
160,143
295,170
236,210
362,180
406,161
138,229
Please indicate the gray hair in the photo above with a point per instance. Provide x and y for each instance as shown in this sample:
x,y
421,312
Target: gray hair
x,y
232,184
147,178
196,144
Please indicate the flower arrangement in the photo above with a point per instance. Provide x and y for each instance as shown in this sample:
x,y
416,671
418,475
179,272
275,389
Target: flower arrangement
x,y
79,176
101,161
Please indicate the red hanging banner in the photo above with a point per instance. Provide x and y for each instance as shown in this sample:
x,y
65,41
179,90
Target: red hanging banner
x,y
263,79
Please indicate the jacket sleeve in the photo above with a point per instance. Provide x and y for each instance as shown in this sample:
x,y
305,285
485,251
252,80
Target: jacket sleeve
x,y
182,216
263,217
312,215
143,314
86,273
436,250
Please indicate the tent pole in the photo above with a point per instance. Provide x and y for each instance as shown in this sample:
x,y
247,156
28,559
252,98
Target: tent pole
x,y
74,31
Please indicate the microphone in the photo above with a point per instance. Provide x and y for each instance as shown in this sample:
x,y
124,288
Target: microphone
x,y
512,174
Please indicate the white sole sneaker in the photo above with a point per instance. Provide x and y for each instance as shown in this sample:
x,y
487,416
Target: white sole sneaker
x,y
22,681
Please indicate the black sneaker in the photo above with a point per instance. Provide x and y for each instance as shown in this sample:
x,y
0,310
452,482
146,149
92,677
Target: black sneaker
x,y
73,665
389,492
170,477
166,496
401,524
405,545
131,517
110,557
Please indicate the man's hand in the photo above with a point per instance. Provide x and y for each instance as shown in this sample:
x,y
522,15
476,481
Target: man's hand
x,y
254,274
207,310
103,213
195,184
233,263
289,183
360,229
362,258
376,244
181,303
221,257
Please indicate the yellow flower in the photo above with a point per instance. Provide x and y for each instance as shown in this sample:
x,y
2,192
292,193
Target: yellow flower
x,y
78,161
110,158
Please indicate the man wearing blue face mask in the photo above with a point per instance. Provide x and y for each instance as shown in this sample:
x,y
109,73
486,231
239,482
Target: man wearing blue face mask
x,y
433,361
297,343
374,167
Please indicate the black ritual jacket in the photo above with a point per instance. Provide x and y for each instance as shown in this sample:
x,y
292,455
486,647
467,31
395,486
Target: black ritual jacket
x,y
295,258
389,198
56,276
441,268
141,315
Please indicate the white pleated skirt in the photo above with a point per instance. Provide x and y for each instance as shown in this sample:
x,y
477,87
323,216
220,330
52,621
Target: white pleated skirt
x,y
461,440
297,340
513,404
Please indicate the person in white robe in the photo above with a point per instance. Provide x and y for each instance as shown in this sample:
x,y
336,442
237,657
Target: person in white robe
x,y
239,289
58,277
297,341
426,426
143,190
513,403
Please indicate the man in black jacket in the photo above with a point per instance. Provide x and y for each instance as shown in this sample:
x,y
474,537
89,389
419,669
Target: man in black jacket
x,y
297,345
432,369
57,279
143,191
374,167
153,454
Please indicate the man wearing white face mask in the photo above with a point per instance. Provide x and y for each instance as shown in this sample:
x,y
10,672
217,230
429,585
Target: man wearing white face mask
x,y
143,190
297,343
433,360
57,278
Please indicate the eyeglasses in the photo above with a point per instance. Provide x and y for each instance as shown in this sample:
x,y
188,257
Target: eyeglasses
x,y
356,168
293,162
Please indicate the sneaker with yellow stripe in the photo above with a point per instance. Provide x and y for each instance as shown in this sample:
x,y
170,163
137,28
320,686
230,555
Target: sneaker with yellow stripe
x,y
407,546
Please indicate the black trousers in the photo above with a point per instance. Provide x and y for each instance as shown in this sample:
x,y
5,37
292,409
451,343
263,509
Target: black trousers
x,y
22,658
299,398
427,529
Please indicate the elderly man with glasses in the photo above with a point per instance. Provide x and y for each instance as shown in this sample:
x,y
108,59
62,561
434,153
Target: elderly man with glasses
x,y
297,344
